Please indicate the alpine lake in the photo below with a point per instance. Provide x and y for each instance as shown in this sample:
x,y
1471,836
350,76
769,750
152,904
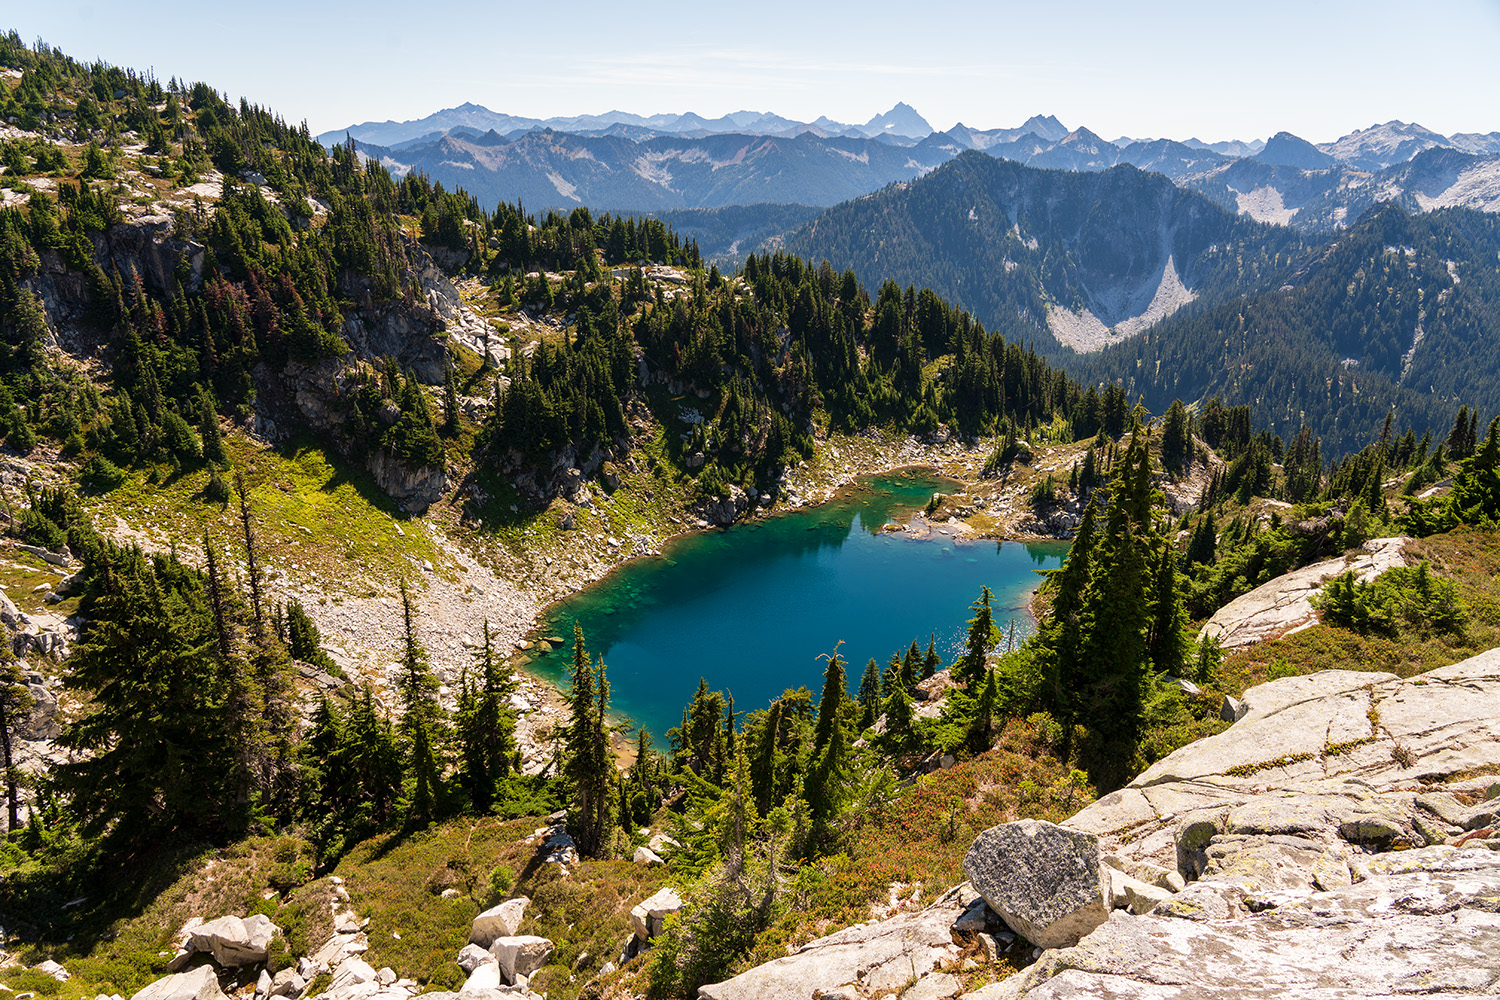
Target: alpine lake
x,y
751,608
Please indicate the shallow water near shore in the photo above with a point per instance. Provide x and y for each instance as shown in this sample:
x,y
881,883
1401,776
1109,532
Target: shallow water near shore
x,y
750,608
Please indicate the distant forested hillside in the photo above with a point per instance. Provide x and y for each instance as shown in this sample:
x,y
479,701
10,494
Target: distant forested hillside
x,y
1016,245
1401,312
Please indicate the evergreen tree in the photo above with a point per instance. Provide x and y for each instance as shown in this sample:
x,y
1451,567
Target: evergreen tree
x,y
823,784
421,718
588,763
15,704
931,662
486,727
983,637
156,750
208,431
900,735
869,695
981,734
1176,439
1168,640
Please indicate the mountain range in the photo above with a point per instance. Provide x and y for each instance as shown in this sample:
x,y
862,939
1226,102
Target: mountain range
x,y
664,162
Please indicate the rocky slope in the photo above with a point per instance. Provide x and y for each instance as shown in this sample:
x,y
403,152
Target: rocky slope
x,y
1338,841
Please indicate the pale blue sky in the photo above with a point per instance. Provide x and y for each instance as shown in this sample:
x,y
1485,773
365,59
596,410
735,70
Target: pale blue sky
x,y
1179,69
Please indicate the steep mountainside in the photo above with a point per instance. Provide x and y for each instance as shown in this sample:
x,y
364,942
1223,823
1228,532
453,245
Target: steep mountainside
x,y
547,168
1402,311
1044,254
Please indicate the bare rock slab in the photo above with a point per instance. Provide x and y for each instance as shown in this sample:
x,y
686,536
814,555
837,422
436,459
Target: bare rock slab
x,y
1042,879
881,958
198,984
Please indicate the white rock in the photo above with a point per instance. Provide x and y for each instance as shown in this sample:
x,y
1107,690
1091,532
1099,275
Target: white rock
x,y
197,984
472,957
649,915
53,969
520,955
484,977
234,942
646,856
498,921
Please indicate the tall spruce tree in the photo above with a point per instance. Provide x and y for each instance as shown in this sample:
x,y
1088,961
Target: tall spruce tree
x,y
588,764
156,749
421,718
983,637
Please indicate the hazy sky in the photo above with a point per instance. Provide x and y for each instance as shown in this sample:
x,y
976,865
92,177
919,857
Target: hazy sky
x,y
1142,69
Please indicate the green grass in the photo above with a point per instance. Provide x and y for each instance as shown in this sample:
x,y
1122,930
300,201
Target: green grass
x,y
318,517
111,924
21,573
398,881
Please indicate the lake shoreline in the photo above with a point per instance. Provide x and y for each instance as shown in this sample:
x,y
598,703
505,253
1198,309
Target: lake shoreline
x,y
896,506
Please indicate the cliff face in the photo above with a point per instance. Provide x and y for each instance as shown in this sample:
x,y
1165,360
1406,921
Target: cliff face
x,y
297,398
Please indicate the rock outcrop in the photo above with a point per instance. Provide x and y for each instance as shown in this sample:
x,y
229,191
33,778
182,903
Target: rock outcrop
x,y
1338,841
233,942
1283,605
864,960
650,914
196,984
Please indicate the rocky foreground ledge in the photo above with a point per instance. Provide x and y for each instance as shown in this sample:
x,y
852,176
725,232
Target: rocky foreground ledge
x,y
1339,841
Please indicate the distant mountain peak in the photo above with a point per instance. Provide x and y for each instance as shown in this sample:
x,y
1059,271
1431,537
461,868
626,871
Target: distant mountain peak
x,y
1045,126
900,120
1288,150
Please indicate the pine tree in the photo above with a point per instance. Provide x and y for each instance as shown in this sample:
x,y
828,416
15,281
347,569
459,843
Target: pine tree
x,y
931,662
208,431
1176,439
486,726
15,703
156,750
983,637
981,734
588,764
869,695
900,722
1168,640
450,398
421,718
823,784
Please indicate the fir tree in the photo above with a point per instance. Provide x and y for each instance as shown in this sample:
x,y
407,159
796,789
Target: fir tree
x,y
15,704
983,637
931,662
588,765
421,717
869,695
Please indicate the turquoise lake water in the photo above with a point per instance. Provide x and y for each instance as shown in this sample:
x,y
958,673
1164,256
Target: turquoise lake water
x,y
750,608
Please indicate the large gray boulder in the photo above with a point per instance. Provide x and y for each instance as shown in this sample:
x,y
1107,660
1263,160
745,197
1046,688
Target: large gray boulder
x,y
498,921
881,957
196,984
1430,929
1042,879
234,941
520,955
